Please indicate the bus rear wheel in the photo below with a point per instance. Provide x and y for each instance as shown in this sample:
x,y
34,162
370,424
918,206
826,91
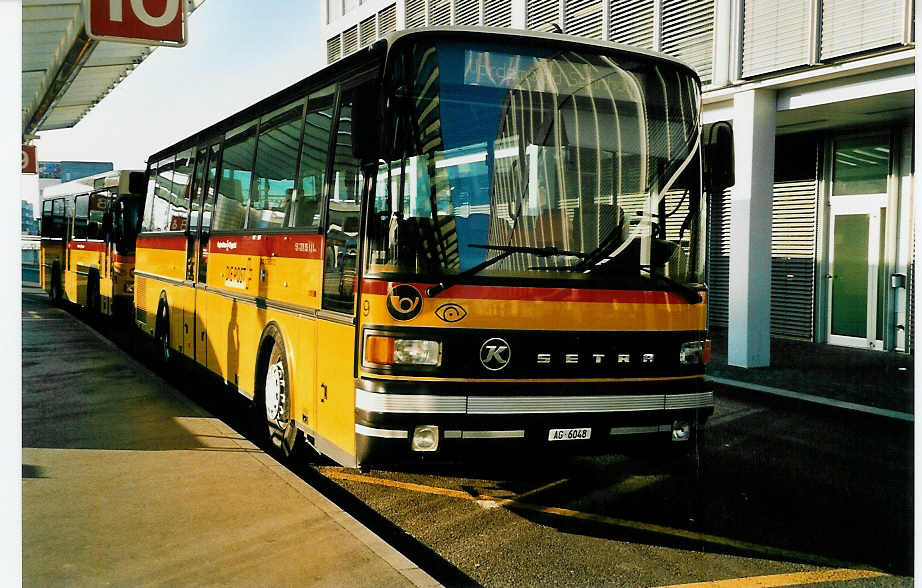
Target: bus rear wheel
x,y
276,400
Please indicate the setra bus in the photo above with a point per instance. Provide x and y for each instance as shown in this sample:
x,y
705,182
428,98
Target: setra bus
x,y
457,239
88,231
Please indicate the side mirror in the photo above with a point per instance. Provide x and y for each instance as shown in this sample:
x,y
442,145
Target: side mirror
x,y
137,182
718,171
365,123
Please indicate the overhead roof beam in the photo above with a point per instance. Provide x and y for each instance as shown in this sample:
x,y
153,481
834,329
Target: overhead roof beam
x,y
79,52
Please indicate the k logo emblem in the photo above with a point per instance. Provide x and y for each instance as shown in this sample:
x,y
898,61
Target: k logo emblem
x,y
495,354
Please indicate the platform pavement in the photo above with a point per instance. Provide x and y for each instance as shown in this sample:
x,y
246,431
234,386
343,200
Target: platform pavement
x,y
126,482
860,380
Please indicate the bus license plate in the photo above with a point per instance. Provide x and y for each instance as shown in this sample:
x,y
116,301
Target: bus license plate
x,y
569,434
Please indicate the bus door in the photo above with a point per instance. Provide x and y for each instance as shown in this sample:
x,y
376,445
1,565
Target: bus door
x,y
192,240
209,167
335,404
53,231
100,203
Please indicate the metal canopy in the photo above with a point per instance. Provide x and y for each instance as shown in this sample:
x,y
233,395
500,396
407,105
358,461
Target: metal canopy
x,y
64,72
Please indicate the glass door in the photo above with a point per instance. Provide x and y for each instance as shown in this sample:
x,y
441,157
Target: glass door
x,y
857,237
856,272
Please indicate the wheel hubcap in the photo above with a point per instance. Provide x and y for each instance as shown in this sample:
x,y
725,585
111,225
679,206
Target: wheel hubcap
x,y
276,400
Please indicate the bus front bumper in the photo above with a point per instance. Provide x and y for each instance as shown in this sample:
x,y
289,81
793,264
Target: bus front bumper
x,y
450,421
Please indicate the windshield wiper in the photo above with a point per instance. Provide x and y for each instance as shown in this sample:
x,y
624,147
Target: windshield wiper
x,y
507,250
690,295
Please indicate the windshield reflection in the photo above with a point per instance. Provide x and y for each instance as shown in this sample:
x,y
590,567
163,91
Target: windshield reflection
x,y
529,149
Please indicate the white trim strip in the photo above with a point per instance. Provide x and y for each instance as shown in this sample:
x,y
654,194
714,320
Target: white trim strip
x,y
432,404
383,433
562,404
697,400
409,403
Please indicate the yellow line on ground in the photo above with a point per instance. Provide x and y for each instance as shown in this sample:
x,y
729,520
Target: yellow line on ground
x,y
402,485
514,504
541,488
792,579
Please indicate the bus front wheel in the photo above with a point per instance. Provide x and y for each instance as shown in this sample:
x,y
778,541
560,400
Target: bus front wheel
x,y
275,397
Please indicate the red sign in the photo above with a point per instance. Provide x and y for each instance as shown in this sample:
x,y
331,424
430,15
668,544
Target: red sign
x,y
148,22
29,164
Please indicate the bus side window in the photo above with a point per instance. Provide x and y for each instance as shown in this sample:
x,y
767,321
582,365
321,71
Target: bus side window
x,y
234,179
58,219
305,210
343,212
181,190
275,167
157,207
81,216
46,229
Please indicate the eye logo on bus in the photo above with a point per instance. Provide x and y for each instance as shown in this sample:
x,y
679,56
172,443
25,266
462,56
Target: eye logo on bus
x,y
495,354
404,302
451,312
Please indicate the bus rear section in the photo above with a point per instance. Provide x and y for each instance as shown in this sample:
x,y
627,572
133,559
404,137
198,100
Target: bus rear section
x,y
89,228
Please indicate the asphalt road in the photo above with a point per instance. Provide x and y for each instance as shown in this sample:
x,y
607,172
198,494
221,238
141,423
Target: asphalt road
x,y
774,489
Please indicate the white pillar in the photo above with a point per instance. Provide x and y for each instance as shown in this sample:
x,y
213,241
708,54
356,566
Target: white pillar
x,y
750,229
11,312
518,14
723,43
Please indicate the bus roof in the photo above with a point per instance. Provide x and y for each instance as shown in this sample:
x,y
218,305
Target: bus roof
x,y
354,62
110,179
530,36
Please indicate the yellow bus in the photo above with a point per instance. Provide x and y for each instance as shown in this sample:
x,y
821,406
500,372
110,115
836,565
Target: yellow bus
x,y
88,232
454,240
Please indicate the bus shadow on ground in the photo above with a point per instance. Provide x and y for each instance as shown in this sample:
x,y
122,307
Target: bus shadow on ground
x,y
752,497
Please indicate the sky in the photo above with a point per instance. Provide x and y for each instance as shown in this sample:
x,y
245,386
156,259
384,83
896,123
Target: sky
x,y
239,51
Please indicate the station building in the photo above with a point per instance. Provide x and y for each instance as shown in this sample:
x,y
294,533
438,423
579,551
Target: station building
x,y
814,242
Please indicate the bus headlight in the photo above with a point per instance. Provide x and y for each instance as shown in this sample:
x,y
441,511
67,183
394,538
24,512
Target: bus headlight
x,y
383,350
695,352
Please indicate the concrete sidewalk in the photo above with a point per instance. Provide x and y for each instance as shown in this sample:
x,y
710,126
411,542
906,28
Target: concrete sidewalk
x,y
127,482
872,382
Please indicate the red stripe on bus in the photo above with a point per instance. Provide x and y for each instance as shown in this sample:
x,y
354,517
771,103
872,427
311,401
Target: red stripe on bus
x,y
172,242
285,245
86,245
382,287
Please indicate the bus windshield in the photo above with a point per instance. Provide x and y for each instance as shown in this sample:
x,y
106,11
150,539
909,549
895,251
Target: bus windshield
x,y
526,162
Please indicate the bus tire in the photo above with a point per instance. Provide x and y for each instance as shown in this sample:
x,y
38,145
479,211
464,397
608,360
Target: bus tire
x,y
162,333
273,395
54,294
